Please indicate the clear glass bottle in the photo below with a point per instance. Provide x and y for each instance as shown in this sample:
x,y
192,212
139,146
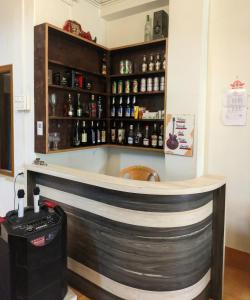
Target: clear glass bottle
x,y
113,109
103,133
92,107
92,134
144,66
158,62
121,134
84,136
146,137
132,112
148,30
120,108
161,137
151,66
154,137
69,110
76,136
99,108
128,109
98,133
79,109
138,136
113,133
104,65
131,135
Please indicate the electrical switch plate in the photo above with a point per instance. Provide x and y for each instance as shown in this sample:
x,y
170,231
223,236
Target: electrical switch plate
x,y
22,103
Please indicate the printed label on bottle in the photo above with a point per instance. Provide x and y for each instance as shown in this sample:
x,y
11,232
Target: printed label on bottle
x,y
84,137
120,112
160,142
103,136
146,142
113,135
154,141
121,135
127,113
130,140
113,112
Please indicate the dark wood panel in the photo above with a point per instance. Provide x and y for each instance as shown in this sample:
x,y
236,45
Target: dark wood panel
x,y
153,203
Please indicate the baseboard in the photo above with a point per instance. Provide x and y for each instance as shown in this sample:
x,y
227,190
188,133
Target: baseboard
x,y
237,259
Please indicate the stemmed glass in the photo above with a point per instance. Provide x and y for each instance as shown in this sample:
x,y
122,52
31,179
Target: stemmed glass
x,y
53,103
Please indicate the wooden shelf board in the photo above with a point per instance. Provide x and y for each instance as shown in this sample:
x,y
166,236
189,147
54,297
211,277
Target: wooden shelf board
x,y
135,120
78,90
138,74
76,148
76,118
59,63
136,148
139,94
142,44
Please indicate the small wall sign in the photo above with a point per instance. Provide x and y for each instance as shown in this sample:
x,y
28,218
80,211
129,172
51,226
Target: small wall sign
x,y
179,134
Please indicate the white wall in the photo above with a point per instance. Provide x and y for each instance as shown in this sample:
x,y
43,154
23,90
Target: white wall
x,y
229,147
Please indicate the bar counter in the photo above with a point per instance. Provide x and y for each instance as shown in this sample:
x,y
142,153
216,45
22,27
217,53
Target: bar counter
x,y
136,240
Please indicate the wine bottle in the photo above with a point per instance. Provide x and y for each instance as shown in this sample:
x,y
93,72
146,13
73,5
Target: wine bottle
x,y
113,133
146,137
164,62
131,135
84,136
133,107
76,136
138,136
99,107
103,133
128,108
148,30
104,65
154,137
160,137
69,110
121,134
92,134
144,66
98,134
120,108
113,109
151,65
158,62
92,106
79,106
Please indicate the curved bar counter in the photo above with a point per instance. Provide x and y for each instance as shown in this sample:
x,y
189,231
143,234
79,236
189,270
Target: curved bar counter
x,y
139,240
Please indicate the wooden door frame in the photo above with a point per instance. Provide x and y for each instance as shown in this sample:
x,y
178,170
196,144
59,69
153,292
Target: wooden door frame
x,y
9,69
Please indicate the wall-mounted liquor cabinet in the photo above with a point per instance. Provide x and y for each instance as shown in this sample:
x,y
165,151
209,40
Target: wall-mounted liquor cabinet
x,y
87,95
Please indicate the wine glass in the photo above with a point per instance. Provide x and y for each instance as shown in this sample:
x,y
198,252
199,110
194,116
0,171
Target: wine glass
x,y
56,140
53,103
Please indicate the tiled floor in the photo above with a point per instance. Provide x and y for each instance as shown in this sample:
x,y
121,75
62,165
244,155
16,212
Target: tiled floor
x,y
237,285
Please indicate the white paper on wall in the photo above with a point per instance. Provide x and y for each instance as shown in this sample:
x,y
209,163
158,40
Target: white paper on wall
x,y
235,108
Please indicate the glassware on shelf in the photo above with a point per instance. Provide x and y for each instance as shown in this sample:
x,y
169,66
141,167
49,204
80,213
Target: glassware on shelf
x,y
148,30
54,140
53,103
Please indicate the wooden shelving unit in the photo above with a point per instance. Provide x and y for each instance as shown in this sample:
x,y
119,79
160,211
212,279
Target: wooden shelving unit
x,y
61,52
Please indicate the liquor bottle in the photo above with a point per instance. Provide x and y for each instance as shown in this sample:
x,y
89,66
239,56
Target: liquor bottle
x,y
128,108
120,108
99,108
113,109
154,137
98,134
144,66
151,66
158,62
104,65
146,137
92,106
113,133
131,135
69,110
121,134
164,62
92,134
160,137
76,136
103,133
138,136
148,30
79,106
133,107
84,136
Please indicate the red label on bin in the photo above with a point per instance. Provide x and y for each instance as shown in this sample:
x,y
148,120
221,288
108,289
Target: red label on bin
x,y
39,242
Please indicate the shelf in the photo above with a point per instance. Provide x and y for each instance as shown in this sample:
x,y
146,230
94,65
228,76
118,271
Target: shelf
x,y
135,120
137,148
76,118
139,94
138,74
58,63
76,148
83,91
161,41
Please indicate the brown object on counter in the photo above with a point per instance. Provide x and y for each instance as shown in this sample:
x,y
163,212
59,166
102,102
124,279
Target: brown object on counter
x,y
139,173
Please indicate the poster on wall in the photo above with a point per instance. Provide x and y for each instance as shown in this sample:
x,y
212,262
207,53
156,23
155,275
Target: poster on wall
x,y
179,138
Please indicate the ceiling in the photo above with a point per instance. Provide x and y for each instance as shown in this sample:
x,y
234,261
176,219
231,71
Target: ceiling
x,y
102,2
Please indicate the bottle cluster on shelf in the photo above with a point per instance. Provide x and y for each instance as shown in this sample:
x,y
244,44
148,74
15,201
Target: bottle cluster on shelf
x,y
76,107
150,84
153,63
137,135
89,133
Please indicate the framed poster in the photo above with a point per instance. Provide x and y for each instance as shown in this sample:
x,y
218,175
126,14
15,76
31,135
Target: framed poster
x,y
179,137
